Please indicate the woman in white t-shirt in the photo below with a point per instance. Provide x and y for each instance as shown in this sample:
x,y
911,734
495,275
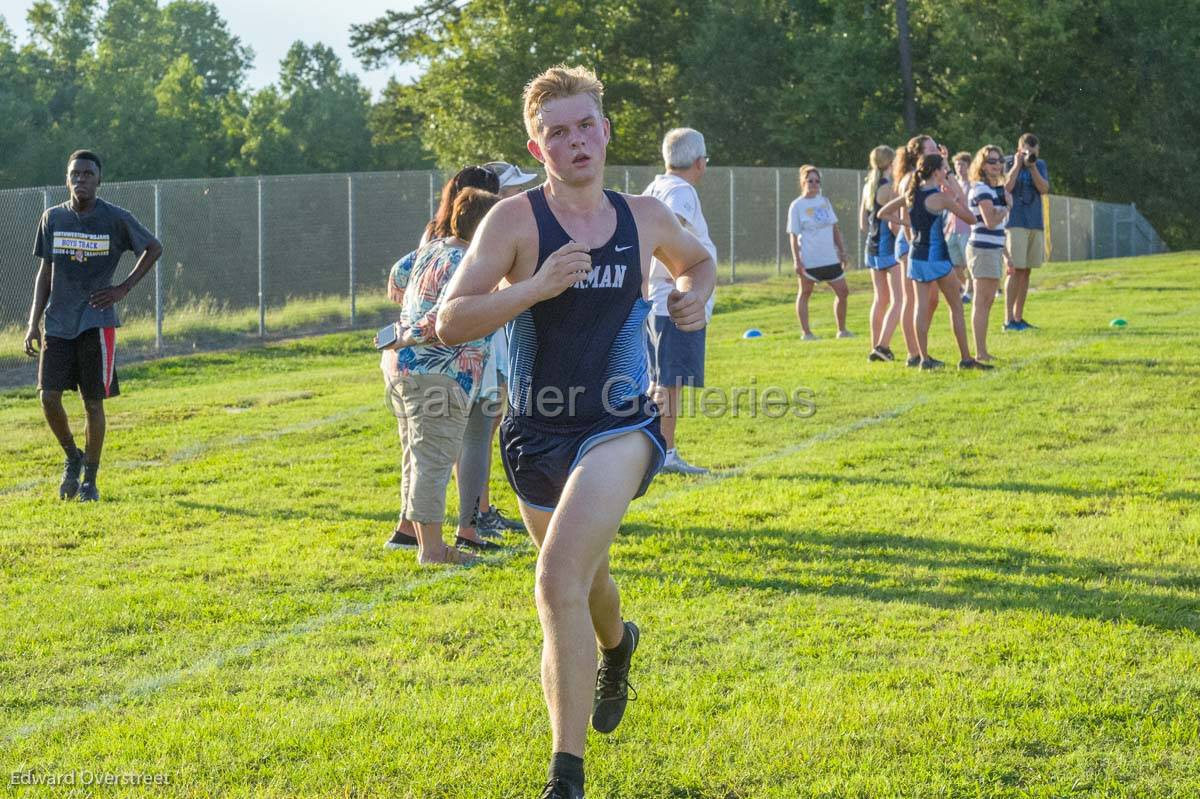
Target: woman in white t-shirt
x,y
987,253
817,250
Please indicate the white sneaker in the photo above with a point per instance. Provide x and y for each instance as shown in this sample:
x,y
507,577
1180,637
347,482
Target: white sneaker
x,y
809,337
677,465
845,334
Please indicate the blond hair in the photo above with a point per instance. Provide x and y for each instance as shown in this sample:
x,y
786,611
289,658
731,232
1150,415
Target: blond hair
x,y
976,174
555,84
881,158
804,171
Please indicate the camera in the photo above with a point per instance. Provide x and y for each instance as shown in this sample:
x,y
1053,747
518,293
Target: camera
x,y
1030,159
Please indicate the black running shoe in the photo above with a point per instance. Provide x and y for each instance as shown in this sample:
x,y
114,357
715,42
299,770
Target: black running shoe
x,y
929,364
886,352
876,355
73,467
88,491
558,788
913,361
613,688
478,546
971,363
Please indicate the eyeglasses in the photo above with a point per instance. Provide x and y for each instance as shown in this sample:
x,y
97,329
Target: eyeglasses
x,y
991,161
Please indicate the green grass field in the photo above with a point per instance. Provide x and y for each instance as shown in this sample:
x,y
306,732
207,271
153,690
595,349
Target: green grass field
x,y
939,585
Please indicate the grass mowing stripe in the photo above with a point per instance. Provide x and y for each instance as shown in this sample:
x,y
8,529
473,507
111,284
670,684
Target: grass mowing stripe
x,y
215,660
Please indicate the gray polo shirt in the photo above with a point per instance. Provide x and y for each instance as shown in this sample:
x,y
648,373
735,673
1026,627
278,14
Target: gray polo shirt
x,y
84,250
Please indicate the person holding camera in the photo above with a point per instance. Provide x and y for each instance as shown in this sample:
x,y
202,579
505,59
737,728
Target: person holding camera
x,y
1028,180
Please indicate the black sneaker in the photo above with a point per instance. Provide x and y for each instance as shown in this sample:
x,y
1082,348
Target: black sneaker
x,y
478,546
876,355
930,364
72,468
913,361
613,688
971,363
886,352
88,492
401,540
558,788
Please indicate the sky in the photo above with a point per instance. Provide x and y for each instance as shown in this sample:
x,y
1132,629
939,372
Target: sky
x,y
270,27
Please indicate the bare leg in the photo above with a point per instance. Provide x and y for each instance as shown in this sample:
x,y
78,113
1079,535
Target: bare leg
x,y
1022,292
908,321
56,418
432,549
985,295
952,290
667,399
806,290
840,292
924,313
94,431
895,282
577,601
1010,294
879,306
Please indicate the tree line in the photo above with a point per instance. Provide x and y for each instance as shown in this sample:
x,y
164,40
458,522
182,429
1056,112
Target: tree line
x,y
1108,85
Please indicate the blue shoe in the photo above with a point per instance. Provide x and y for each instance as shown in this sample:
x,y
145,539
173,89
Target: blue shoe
x,y
1025,325
73,467
88,491
966,299
1012,326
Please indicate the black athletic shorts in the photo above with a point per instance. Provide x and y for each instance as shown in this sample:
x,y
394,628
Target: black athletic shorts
x,y
824,274
539,457
86,362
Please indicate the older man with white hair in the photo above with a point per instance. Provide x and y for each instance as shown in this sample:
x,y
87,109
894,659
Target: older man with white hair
x,y
677,357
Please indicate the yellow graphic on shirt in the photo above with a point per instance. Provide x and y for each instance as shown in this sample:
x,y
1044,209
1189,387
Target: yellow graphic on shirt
x,y
81,246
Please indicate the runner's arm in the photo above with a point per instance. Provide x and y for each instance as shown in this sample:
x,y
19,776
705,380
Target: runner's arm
x,y
105,298
473,307
41,295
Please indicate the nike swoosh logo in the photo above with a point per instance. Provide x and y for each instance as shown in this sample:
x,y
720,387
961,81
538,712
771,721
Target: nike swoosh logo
x,y
623,249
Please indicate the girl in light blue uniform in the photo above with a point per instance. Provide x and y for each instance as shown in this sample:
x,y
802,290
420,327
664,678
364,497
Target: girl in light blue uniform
x,y
929,193
906,162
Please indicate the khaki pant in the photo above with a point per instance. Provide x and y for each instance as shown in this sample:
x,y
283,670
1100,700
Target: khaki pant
x,y
1026,247
432,411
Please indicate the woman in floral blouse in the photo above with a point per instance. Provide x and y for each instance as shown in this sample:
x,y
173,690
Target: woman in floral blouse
x,y
435,384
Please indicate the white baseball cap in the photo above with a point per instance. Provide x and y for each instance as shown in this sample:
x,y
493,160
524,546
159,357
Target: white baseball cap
x,y
509,174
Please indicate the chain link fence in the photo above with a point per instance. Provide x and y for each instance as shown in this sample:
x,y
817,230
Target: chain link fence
x,y
250,258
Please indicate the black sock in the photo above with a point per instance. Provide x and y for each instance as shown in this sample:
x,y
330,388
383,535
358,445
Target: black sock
x,y
567,767
89,472
622,650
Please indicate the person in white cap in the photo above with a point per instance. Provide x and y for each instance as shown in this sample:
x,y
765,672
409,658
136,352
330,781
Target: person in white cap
x,y
677,358
512,177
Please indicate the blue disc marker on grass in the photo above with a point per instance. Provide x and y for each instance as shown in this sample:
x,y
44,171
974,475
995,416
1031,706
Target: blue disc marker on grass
x,y
753,332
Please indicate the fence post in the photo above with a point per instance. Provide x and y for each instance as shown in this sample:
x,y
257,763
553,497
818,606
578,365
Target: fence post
x,y
778,231
862,234
1068,228
1115,247
158,308
732,228
432,207
1092,243
626,181
262,308
1133,229
45,199
350,238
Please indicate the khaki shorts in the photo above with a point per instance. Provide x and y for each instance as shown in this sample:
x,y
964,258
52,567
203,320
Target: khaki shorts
x,y
985,262
956,247
1026,246
432,411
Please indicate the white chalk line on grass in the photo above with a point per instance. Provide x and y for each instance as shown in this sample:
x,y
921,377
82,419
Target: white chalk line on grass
x,y
199,449
144,687
158,682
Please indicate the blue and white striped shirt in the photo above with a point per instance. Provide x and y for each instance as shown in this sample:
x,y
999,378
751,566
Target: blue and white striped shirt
x,y
982,236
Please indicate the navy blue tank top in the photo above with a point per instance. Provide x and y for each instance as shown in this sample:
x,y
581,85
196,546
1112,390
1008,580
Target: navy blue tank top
x,y
879,236
580,356
929,241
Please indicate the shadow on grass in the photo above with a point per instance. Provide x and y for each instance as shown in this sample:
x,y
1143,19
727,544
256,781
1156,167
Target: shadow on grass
x,y
943,574
1141,367
1009,486
334,513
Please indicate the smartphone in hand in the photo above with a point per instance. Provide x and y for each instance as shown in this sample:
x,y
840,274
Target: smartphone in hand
x,y
386,336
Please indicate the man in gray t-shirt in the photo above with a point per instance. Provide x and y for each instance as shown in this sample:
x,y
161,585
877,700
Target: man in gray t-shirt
x,y
79,245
